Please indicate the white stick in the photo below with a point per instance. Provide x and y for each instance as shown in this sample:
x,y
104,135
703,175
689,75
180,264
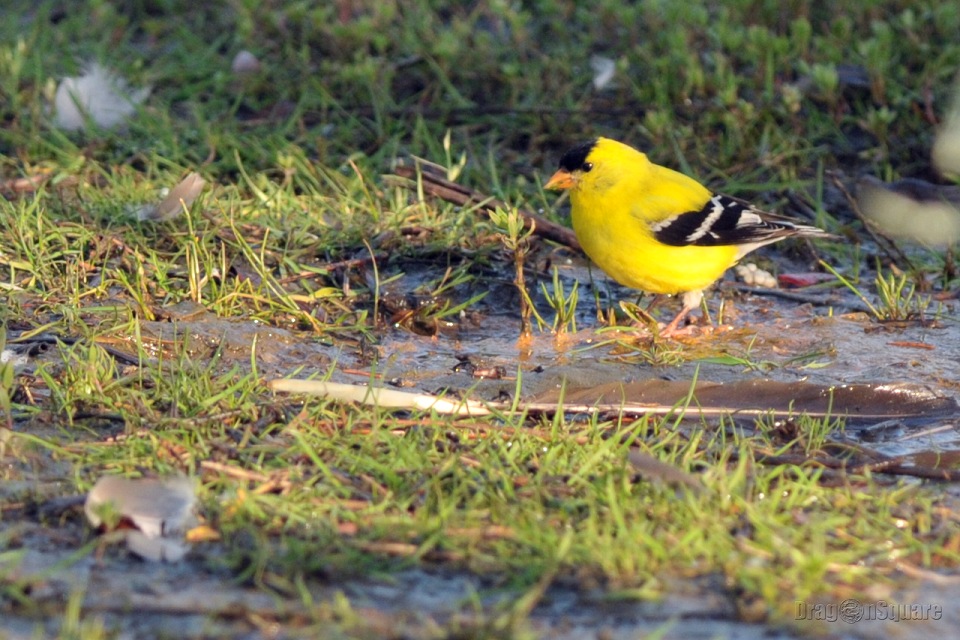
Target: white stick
x,y
380,397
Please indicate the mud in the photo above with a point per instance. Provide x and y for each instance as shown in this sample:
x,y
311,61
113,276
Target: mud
x,y
777,342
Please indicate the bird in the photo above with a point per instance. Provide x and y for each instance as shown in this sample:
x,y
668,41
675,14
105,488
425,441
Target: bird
x,y
658,230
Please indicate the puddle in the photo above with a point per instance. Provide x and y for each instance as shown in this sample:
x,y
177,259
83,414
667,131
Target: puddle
x,y
478,353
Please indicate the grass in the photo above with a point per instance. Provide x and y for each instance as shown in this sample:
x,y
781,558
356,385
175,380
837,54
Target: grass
x,y
299,234
897,298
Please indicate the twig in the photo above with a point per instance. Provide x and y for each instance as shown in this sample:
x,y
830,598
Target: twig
x,y
817,301
407,550
926,473
926,575
888,246
324,270
268,484
888,466
438,187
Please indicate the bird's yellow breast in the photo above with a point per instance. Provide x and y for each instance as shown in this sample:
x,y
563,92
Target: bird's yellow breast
x,y
612,213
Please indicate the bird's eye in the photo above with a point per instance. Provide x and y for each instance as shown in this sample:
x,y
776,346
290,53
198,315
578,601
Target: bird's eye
x,y
586,167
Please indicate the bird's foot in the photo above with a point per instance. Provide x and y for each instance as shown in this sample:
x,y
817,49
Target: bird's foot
x,y
676,328
693,330
687,331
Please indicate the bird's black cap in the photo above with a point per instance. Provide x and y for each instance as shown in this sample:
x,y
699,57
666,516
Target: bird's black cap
x,y
575,158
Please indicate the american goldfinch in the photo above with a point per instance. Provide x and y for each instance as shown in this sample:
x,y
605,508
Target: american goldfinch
x,y
657,230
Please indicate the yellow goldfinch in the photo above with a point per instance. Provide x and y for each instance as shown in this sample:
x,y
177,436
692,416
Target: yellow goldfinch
x,y
657,230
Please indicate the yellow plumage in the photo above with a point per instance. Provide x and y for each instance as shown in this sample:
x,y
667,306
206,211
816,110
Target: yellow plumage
x,y
657,230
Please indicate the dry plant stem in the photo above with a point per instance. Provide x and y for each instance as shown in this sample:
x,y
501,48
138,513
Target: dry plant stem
x,y
480,430
526,329
889,467
463,196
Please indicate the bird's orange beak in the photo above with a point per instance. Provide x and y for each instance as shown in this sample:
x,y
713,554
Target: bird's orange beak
x,y
562,179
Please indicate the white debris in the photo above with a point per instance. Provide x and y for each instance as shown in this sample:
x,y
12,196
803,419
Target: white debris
x,y
603,71
100,95
380,397
753,275
16,359
245,63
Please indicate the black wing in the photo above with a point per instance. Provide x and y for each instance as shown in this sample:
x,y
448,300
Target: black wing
x,y
727,221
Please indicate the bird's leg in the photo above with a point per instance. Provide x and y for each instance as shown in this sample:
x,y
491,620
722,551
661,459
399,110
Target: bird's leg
x,y
691,300
672,329
655,301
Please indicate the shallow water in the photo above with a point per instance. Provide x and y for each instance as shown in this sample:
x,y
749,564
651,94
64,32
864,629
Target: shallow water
x,y
775,341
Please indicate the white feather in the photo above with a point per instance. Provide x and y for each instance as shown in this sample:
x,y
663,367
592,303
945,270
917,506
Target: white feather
x,y
603,71
100,95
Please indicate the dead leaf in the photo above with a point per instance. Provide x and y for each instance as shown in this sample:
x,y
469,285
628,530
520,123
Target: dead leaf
x,y
799,280
176,202
151,513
